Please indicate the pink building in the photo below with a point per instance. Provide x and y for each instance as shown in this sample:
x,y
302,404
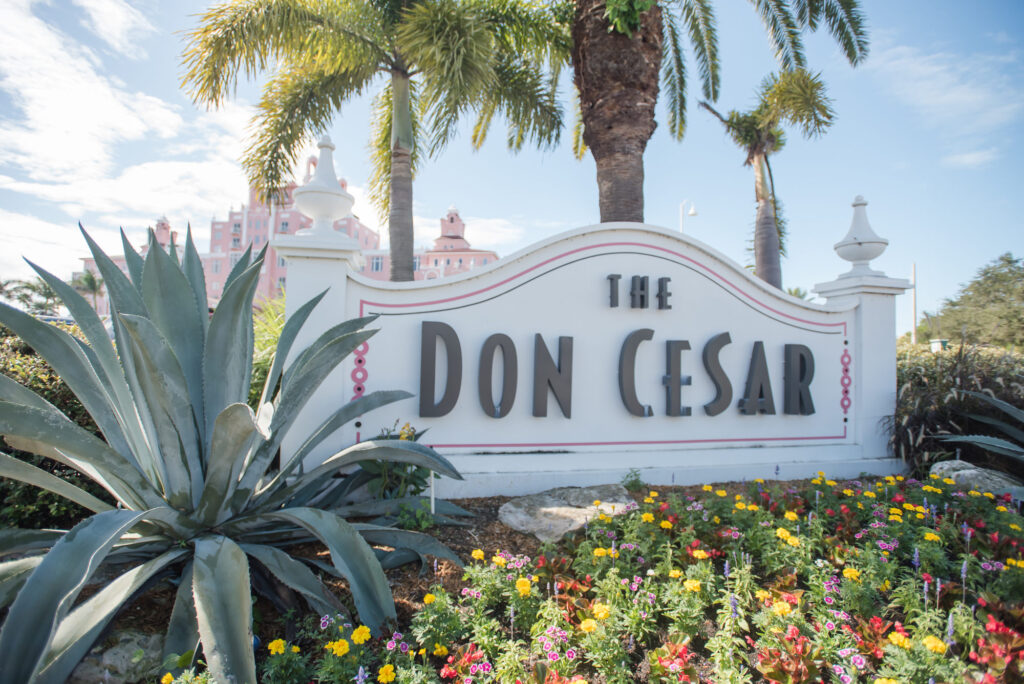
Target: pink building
x,y
257,223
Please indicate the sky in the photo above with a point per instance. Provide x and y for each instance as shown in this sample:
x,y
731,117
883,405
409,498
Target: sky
x,y
95,128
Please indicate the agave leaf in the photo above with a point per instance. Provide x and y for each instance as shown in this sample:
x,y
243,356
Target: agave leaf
x,y
422,544
124,296
192,265
69,362
398,557
13,575
353,558
133,260
297,576
327,338
51,589
401,451
349,411
161,385
14,540
233,433
167,293
77,632
291,329
37,477
79,448
1002,426
366,509
183,629
989,443
220,584
1007,408
227,361
243,263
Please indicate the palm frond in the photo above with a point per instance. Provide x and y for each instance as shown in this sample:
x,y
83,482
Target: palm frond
x,y
783,32
846,24
379,190
699,16
527,100
296,103
579,146
797,97
673,75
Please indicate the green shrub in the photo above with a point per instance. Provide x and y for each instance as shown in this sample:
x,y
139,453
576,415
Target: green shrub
x,y
23,505
931,402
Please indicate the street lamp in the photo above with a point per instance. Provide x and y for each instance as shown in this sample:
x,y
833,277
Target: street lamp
x,y
683,212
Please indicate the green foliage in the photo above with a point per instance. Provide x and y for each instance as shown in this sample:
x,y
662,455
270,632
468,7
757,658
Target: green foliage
x,y
932,400
987,310
268,321
994,444
22,505
624,15
632,482
415,517
189,465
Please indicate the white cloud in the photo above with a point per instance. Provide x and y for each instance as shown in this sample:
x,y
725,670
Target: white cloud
x,y
971,160
961,95
56,247
67,115
117,23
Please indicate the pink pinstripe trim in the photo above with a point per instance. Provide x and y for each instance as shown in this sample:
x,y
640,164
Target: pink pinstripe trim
x,y
364,302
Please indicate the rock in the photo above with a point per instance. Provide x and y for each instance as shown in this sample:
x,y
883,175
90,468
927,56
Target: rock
x,y
551,514
980,479
128,656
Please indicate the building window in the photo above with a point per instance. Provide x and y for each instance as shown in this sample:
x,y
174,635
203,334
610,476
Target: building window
x,y
280,261
460,262
435,262
280,284
216,266
216,286
377,264
447,262
284,226
451,219
234,259
216,234
485,261
472,263
236,229
415,263
236,242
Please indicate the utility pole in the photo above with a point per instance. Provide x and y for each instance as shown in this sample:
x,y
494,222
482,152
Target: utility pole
x,y
913,299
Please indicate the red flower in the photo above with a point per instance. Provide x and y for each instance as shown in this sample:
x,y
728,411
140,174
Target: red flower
x,y
926,577
898,498
447,672
829,512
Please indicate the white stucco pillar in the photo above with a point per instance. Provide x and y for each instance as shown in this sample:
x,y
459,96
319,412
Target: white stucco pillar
x,y
872,342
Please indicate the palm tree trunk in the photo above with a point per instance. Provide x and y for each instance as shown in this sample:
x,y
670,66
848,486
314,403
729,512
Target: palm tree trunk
x,y
766,234
400,230
617,77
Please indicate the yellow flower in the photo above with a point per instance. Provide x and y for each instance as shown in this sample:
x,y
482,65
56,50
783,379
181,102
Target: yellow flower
x,y
700,554
830,483
720,492
613,553
499,561
1001,509
428,599
338,648
762,594
588,625
885,586
691,585
883,680
793,541
478,554
847,492
974,492
949,481
707,488
674,573
440,650
759,480
781,608
276,646
386,674
908,506
816,481
919,516
597,502
782,533
295,649
601,611
600,552
989,495
647,517
753,507
167,678
738,497
900,640
934,476
895,511
1015,527
603,518
652,494
741,506
852,574
895,518
523,586
666,525
716,520
899,478
648,500
869,494
361,634
934,644
821,474
791,516
931,536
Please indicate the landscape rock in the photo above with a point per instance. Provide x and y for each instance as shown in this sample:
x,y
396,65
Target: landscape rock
x,y
980,479
128,656
552,514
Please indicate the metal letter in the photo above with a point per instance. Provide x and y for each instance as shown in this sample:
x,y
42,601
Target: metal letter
x,y
799,371
433,331
546,374
510,375
627,372
613,283
674,381
723,388
664,294
757,397
638,293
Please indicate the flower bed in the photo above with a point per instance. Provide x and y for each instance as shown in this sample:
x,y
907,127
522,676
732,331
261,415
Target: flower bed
x,y
860,581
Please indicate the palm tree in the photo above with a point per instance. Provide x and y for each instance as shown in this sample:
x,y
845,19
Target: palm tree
x,y
88,283
441,59
36,297
794,97
624,52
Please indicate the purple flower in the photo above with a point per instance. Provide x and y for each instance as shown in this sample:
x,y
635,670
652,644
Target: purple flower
x,y
845,678
403,647
838,669
829,600
485,666
570,654
858,661
986,566
916,562
326,621
391,645
473,668
725,570
361,676
830,625
553,656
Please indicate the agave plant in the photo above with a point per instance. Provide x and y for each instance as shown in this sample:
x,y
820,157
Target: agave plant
x,y
997,445
189,465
